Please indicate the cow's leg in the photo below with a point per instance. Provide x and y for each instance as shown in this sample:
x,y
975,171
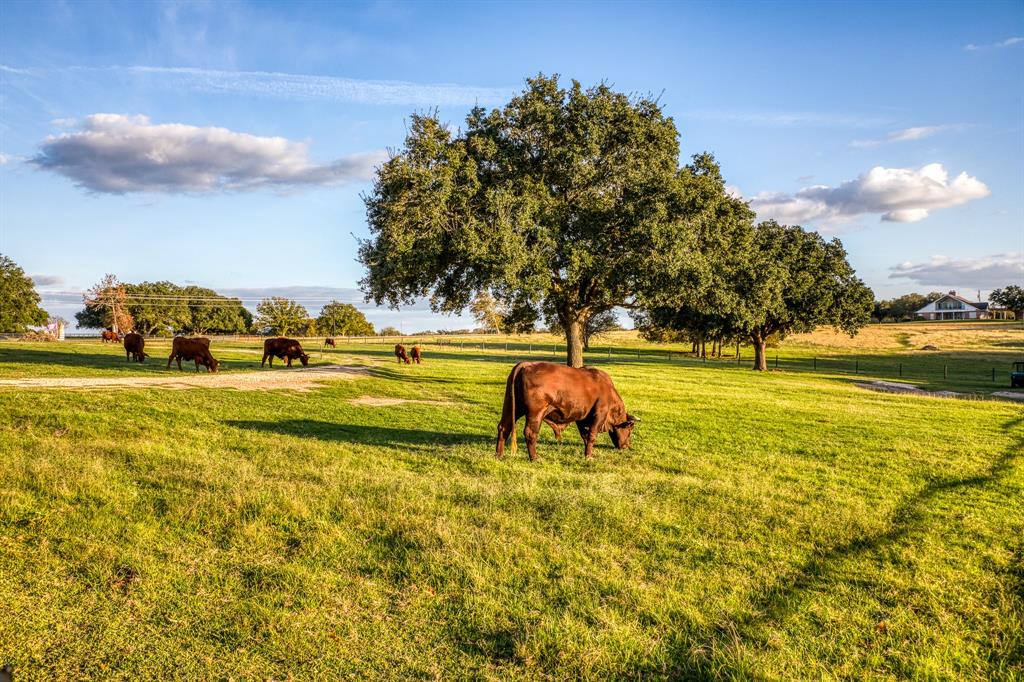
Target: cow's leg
x,y
588,438
127,355
288,360
531,432
264,362
169,359
503,432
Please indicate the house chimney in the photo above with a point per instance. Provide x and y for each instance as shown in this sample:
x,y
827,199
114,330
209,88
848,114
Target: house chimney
x,y
952,292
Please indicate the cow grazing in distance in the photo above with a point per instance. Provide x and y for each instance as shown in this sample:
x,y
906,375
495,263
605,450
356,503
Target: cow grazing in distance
x,y
197,349
133,345
401,354
560,395
416,353
110,337
285,349
329,342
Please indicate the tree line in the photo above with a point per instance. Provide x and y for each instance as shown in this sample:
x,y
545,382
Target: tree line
x,y
165,309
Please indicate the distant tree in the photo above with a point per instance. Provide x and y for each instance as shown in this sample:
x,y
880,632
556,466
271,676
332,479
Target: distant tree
x,y
796,281
488,312
390,331
211,313
343,318
567,200
157,307
1011,298
280,316
19,302
107,303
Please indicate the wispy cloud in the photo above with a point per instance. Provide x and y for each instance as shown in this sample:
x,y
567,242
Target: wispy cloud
x,y
787,118
292,86
1009,42
305,86
901,195
117,154
909,134
986,272
5,158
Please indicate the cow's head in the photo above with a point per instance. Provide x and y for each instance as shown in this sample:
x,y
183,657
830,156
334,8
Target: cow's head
x,y
212,364
305,359
622,433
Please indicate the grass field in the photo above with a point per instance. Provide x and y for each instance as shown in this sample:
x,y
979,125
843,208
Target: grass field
x,y
778,525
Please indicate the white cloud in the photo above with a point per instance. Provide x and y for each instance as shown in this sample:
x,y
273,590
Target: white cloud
x,y
47,280
987,272
1009,42
4,159
901,195
907,134
117,154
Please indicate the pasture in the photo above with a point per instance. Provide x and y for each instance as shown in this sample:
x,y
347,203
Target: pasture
x,y
777,525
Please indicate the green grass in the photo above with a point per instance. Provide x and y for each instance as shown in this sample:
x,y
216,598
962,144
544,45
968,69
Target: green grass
x,y
781,525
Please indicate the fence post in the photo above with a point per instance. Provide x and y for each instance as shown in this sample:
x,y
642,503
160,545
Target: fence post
x,y
638,352
776,361
610,357
856,366
945,371
901,369
815,363
993,374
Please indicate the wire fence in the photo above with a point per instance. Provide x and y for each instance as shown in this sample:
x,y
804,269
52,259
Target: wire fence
x,y
927,366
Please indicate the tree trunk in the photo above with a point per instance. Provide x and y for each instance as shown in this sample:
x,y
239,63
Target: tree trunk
x,y
574,342
760,341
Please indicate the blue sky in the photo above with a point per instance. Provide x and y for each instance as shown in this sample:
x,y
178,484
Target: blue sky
x,y
227,144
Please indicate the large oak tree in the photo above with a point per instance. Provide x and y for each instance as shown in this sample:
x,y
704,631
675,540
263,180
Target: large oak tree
x,y
565,203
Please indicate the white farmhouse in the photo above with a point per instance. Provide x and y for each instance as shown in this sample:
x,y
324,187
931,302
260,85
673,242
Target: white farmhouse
x,y
954,307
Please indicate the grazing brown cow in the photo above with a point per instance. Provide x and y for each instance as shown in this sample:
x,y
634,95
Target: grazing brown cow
x,y
285,349
401,354
110,336
329,342
416,353
133,345
556,394
197,349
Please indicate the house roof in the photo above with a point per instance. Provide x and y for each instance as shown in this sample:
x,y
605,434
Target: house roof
x,y
930,306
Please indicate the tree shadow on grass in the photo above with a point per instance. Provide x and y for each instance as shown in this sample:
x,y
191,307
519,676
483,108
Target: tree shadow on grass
x,y
781,597
360,434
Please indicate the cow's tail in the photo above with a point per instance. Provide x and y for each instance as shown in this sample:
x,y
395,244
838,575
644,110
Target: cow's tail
x,y
510,401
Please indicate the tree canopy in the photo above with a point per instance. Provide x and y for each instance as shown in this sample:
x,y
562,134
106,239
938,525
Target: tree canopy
x,y
780,279
1011,298
564,203
280,316
19,301
343,318
163,308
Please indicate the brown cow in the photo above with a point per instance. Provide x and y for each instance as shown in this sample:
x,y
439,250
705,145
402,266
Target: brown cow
x,y
285,349
197,349
110,336
401,354
329,342
416,353
133,345
556,394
